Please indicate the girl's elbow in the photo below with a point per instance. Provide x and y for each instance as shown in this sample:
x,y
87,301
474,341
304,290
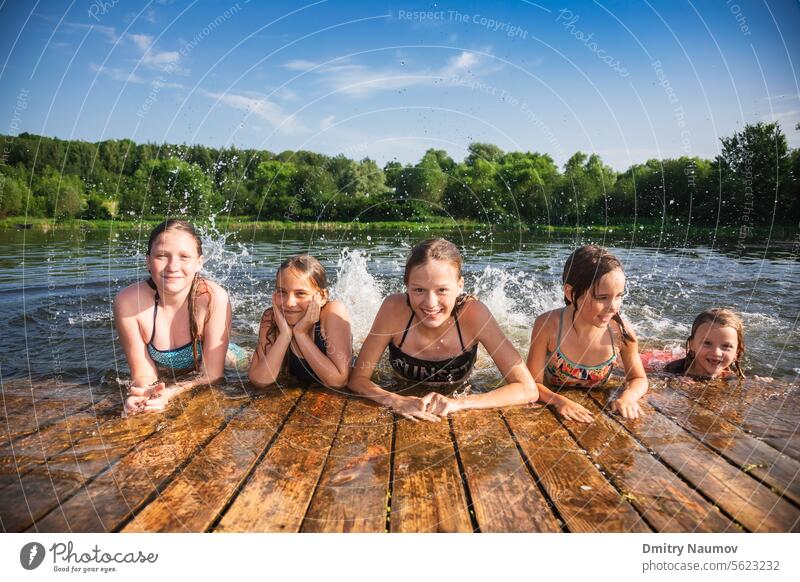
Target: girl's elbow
x,y
532,391
339,382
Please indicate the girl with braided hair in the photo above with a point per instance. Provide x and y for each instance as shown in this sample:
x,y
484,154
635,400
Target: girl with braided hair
x,y
175,325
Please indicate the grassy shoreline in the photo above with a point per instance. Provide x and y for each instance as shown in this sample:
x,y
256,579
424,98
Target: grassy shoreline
x,y
780,233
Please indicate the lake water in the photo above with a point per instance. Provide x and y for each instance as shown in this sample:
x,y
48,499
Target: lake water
x,y
57,289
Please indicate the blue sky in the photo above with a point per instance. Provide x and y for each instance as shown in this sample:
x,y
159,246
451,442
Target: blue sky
x,y
388,80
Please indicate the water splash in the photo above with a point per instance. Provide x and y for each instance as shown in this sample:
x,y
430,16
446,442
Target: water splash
x,y
360,292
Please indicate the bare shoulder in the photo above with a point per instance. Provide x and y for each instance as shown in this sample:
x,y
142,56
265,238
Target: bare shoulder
x,y
216,293
131,299
393,313
337,308
547,322
474,314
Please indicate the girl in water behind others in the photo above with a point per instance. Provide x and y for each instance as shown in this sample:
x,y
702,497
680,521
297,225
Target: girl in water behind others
x,y
174,326
303,332
432,332
715,348
578,345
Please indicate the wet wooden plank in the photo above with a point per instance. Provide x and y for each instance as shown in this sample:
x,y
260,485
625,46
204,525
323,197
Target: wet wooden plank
x,y
663,499
197,496
110,498
743,498
24,453
769,412
504,494
27,414
32,495
277,495
352,494
581,493
427,487
760,460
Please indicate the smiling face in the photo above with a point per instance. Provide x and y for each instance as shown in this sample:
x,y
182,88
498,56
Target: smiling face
x,y
174,261
714,347
597,307
293,294
433,288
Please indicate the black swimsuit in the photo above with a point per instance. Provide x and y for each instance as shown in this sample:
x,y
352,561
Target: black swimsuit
x,y
455,369
298,367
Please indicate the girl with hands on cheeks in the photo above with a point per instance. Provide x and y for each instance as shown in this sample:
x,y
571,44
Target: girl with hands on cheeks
x,y
432,332
174,307
303,332
588,329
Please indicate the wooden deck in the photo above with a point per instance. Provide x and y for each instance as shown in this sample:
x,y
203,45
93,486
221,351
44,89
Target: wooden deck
x,y
312,460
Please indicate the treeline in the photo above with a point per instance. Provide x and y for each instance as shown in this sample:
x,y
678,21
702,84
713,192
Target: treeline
x,y
755,178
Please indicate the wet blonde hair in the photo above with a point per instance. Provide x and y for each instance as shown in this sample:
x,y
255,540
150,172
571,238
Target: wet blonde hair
x,y
311,271
723,318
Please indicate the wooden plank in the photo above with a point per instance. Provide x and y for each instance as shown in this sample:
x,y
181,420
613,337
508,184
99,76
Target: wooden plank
x,y
742,497
504,494
427,487
18,457
352,494
196,497
665,502
32,495
763,462
766,411
581,493
110,498
276,497
25,415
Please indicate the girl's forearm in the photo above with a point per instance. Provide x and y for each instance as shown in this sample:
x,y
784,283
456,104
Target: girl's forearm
x,y
324,368
368,389
637,387
508,395
265,368
548,396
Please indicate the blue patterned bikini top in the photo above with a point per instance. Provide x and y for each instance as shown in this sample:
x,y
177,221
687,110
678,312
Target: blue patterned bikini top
x,y
181,358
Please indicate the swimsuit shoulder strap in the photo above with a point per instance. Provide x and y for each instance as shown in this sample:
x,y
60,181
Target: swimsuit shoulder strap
x,y
458,329
155,308
613,344
560,328
408,325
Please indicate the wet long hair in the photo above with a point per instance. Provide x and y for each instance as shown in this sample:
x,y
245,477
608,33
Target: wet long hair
x,y
437,249
723,318
583,270
199,286
310,270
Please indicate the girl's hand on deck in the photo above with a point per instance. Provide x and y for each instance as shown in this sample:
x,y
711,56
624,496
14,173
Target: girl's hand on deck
x,y
311,315
627,407
440,405
142,399
572,410
412,408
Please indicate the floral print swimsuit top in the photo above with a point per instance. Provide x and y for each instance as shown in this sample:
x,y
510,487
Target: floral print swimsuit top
x,y
560,371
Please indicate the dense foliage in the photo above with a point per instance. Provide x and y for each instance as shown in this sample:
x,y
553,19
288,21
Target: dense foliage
x,y
754,181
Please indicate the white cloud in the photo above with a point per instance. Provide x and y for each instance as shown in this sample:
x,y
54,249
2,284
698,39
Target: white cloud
x,y
361,80
116,74
299,65
107,31
165,61
270,112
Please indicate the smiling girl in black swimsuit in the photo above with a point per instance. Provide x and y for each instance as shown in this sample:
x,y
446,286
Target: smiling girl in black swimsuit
x,y
303,332
432,332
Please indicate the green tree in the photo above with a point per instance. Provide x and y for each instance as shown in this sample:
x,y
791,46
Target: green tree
x,y
274,190
14,196
171,187
755,170
63,195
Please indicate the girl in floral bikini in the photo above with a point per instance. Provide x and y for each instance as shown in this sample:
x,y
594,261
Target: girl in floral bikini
x,y
566,343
